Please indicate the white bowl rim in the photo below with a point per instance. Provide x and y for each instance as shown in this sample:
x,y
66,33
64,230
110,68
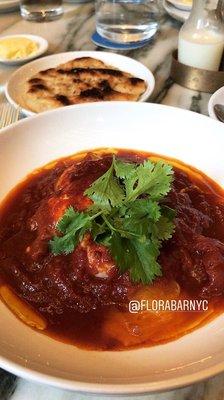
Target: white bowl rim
x,y
110,389
79,54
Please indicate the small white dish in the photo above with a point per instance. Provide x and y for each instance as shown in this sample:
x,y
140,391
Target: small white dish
x,y
185,5
35,141
8,5
179,15
216,98
16,87
42,48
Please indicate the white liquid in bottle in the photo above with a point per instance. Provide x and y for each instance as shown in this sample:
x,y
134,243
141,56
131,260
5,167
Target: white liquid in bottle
x,y
201,49
201,38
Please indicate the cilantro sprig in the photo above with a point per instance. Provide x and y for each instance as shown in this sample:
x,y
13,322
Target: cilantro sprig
x,y
127,216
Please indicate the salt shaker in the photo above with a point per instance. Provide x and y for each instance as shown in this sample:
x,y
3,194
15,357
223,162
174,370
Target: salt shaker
x,y
201,38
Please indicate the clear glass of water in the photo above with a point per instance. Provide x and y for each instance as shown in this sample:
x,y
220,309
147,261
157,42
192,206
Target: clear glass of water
x,y
126,21
41,10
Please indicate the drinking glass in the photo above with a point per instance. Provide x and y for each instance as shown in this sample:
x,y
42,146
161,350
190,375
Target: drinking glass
x,y
127,20
41,10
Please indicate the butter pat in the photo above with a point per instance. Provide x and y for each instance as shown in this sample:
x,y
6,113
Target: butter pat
x,y
17,47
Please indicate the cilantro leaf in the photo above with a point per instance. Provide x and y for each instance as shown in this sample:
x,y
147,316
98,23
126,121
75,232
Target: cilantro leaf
x,y
142,208
63,244
164,228
149,178
139,258
73,225
123,170
68,217
147,254
138,218
106,191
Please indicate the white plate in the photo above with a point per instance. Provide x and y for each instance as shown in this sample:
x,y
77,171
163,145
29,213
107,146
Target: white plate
x,y
185,5
35,141
177,10
7,5
179,15
42,48
216,98
16,92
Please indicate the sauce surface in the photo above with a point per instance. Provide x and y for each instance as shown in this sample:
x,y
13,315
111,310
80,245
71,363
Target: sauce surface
x,y
79,304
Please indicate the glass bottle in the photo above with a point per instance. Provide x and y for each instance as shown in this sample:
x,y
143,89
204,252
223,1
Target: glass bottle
x,y
201,38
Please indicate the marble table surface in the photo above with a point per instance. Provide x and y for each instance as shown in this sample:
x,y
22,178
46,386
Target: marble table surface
x,y
73,32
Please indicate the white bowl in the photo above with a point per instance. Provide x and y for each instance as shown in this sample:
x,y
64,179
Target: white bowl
x,y
216,98
15,88
42,48
33,142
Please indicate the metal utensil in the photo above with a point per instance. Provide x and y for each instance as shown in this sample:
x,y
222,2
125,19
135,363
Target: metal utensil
x,y
220,8
8,115
219,112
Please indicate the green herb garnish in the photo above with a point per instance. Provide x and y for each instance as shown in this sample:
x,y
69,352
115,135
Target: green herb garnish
x,y
127,216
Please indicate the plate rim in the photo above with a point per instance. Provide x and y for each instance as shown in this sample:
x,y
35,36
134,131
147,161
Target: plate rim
x,y
173,12
179,5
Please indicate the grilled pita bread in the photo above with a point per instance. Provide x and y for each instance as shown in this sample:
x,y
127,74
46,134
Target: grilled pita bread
x,y
79,81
